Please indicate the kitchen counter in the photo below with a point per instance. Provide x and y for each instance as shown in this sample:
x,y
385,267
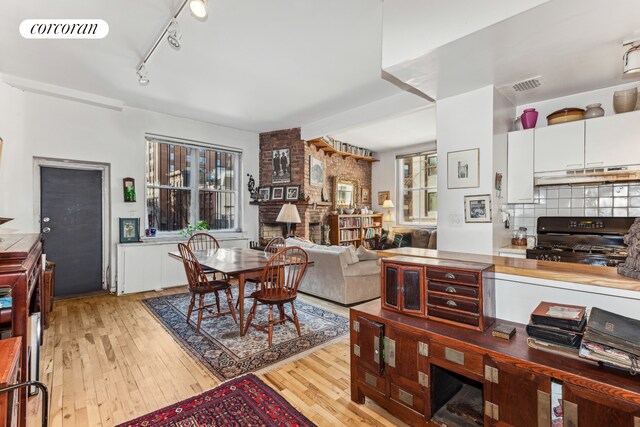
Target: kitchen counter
x,y
512,249
607,277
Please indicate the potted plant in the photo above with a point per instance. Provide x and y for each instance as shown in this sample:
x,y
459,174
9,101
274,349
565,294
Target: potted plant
x,y
190,230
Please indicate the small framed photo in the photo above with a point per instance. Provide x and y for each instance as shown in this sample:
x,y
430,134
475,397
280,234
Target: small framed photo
x,y
382,196
129,188
293,191
463,170
129,230
281,166
265,193
365,196
277,193
477,208
316,172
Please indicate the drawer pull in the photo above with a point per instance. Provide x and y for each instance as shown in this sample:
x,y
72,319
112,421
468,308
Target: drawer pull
x,y
452,303
451,290
454,356
406,398
450,276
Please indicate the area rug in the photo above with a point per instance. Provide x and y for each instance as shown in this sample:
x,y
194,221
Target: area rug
x,y
219,346
244,401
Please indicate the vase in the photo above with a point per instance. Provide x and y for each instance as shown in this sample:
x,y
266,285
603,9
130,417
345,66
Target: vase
x,y
593,111
529,118
625,100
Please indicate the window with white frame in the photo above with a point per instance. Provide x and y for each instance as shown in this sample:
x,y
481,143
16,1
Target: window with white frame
x,y
187,183
417,188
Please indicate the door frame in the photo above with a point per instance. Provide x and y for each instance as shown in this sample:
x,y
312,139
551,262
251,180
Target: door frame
x,y
105,169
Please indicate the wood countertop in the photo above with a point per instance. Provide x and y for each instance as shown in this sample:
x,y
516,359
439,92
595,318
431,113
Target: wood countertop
x,y
549,270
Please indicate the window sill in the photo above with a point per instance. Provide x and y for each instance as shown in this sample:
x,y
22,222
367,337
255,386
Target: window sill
x,y
177,238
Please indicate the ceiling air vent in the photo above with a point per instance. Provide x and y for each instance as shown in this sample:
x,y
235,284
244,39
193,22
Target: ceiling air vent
x,y
528,84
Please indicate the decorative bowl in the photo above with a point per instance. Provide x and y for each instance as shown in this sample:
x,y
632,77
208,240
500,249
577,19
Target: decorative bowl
x,y
349,211
625,100
565,115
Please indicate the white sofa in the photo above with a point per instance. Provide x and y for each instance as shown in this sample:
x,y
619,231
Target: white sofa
x,y
335,276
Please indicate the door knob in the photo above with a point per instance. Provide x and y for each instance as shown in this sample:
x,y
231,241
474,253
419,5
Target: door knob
x,y
46,219
46,230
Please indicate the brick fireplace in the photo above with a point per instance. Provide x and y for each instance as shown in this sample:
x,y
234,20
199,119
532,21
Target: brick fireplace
x,y
313,211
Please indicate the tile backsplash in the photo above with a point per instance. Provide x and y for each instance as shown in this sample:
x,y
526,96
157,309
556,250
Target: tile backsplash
x,y
577,200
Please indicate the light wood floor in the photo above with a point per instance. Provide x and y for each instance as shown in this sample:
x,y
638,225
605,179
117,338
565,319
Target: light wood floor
x,y
106,360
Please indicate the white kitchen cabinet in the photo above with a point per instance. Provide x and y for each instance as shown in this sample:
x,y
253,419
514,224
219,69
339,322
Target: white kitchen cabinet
x,y
520,167
559,147
613,140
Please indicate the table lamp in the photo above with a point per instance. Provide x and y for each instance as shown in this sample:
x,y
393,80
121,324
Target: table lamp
x,y
388,205
289,214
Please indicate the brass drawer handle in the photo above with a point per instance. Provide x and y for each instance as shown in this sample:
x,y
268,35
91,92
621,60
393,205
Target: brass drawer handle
x,y
454,356
450,276
451,290
452,303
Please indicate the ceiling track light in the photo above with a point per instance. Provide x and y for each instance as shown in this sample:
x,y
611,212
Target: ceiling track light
x,y
172,31
631,58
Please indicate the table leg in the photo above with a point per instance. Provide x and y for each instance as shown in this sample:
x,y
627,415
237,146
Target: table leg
x,y
241,302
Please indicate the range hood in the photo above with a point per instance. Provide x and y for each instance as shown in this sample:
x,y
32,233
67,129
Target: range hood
x,y
588,176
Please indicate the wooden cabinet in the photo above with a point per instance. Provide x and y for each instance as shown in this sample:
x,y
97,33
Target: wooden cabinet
x,y
588,408
354,230
403,286
613,140
9,369
559,147
520,167
433,373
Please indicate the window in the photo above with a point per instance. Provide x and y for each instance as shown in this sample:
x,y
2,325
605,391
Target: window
x,y
418,188
190,183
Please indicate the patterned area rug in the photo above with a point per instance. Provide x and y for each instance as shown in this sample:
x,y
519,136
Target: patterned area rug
x,y
219,346
245,401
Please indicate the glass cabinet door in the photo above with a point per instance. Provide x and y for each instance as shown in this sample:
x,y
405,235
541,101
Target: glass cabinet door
x,y
413,292
391,286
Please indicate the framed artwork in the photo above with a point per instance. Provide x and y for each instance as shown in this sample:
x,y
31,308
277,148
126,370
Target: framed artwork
x,y
292,193
129,188
316,172
463,169
277,193
382,196
365,196
281,159
265,193
477,208
129,230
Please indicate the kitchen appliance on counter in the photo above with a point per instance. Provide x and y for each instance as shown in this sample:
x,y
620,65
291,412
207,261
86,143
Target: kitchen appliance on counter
x,y
584,240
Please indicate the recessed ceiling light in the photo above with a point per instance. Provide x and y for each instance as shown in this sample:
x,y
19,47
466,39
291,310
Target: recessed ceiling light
x,y
198,8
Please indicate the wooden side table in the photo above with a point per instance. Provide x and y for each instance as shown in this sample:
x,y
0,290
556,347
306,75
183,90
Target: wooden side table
x,y
9,369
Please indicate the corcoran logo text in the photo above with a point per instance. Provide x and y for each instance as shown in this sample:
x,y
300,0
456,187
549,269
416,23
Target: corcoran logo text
x,y
64,28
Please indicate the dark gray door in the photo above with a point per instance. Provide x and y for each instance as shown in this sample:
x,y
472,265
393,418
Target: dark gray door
x,y
71,225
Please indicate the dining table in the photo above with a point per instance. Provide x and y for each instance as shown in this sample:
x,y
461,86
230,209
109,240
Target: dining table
x,y
240,263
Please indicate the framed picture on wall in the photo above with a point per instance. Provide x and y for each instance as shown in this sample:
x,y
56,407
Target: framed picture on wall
x,y
281,160
129,230
463,169
316,172
277,193
477,208
382,196
264,193
292,193
129,188
365,196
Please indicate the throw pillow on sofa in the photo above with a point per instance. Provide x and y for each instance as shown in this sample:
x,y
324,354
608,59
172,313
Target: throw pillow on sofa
x,y
401,240
420,238
365,254
352,256
383,242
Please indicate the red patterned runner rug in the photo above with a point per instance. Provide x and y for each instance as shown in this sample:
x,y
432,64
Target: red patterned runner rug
x,y
243,401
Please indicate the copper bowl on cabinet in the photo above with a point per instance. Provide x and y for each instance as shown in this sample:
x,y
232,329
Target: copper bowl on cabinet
x,y
565,115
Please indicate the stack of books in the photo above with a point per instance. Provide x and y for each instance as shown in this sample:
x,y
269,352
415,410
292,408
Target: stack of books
x,y
612,339
557,328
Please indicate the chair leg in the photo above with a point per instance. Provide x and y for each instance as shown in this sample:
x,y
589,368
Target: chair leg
x,y
252,313
191,305
281,310
270,324
295,317
200,310
230,301
217,302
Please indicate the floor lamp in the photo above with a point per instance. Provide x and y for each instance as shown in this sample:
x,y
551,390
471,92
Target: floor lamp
x,y
289,214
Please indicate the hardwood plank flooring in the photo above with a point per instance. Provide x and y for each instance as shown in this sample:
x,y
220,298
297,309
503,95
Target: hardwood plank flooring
x,y
106,360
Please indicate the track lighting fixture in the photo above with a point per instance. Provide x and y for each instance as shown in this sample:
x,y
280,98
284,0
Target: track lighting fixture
x,y
142,75
174,35
631,58
198,8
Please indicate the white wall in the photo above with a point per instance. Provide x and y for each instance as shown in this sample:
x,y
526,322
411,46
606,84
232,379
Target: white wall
x,y
464,122
34,125
384,173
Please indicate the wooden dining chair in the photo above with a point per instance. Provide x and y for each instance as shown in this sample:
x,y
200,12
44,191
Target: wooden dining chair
x,y
203,242
200,285
278,286
274,246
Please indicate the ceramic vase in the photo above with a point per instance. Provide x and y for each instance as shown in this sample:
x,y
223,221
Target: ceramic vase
x,y
529,118
593,110
625,100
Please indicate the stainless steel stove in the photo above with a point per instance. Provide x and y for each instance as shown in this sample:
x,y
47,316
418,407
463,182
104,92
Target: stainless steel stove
x,y
584,240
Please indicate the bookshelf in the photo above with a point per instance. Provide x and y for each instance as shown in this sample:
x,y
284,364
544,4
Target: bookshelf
x,y
355,229
342,149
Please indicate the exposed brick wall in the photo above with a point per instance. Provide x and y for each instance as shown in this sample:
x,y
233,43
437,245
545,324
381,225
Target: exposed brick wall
x,y
300,169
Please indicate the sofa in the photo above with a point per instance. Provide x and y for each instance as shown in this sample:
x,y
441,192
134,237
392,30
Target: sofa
x,y
336,275
397,237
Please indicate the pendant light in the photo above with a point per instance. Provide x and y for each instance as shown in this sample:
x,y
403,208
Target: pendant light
x,y
198,8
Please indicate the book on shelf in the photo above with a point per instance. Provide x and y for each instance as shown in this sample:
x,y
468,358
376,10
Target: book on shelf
x,y
557,349
610,356
564,316
554,335
613,330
